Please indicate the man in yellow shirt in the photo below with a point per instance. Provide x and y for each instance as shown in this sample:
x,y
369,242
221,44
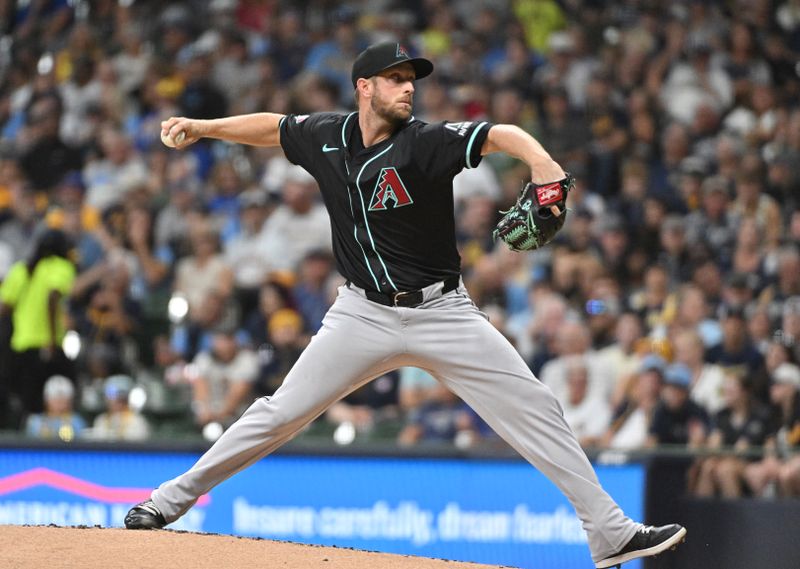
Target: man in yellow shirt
x,y
33,294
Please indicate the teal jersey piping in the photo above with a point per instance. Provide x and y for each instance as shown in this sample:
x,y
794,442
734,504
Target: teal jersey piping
x,y
344,142
352,212
471,141
364,211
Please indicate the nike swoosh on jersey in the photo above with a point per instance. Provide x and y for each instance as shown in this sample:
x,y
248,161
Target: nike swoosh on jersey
x,y
326,148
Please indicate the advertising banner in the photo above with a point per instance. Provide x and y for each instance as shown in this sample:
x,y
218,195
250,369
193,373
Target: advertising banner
x,y
487,511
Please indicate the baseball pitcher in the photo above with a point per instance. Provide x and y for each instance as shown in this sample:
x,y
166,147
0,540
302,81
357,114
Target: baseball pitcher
x,y
386,180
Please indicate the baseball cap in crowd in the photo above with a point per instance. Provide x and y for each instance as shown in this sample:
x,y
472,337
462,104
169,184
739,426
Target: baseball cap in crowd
x,y
560,42
716,184
73,179
728,310
285,318
678,375
652,362
384,55
740,280
693,166
253,198
787,374
118,386
612,223
58,387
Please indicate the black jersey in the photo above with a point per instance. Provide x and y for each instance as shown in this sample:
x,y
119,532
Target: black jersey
x,y
390,205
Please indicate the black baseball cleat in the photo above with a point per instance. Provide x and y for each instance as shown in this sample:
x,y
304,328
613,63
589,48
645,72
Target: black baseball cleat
x,y
646,542
145,516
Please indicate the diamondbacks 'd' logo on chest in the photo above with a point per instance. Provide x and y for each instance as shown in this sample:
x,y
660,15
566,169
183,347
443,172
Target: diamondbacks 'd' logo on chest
x,y
389,191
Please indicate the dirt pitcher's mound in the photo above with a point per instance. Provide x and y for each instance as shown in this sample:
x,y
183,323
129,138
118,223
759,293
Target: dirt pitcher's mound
x,y
95,548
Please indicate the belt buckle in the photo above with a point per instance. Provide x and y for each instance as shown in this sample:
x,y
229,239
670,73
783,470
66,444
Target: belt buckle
x,y
397,296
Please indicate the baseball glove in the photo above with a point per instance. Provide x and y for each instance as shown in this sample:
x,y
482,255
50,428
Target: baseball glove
x,y
531,224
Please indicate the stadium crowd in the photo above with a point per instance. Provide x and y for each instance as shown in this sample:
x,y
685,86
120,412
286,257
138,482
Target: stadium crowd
x,y
153,292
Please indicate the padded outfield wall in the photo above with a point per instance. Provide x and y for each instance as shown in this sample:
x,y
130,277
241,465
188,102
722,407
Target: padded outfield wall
x,y
498,511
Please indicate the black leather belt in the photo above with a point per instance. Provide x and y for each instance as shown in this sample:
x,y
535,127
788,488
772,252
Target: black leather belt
x,y
408,298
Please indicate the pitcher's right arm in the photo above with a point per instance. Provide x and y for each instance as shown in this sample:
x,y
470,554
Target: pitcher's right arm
x,y
257,129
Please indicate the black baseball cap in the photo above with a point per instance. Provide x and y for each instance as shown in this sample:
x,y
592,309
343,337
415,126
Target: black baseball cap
x,y
384,55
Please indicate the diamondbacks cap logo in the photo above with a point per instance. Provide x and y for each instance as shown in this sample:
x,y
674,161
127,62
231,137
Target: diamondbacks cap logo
x,y
389,191
551,193
401,52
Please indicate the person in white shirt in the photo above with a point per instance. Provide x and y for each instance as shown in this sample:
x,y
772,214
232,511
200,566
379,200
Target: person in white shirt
x,y
573,339
587,417
223,379
707,379
630,427
245,254
301,223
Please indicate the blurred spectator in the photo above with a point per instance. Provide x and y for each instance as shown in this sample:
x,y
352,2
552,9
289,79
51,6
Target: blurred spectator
x,y
780,468
21,220
692,314
300,224
194,335
563,130
203,273
310,293
650,302
789,330
273,296
620,360
677,419
333,59
284,344
587,417
707,379
32,298
120,170
245,253
752,203
759,327
103,310
712,224
574,339
290,45
200,98
59,420
675,256
787,281
233,72
695,82
736,348
369,405
416,387
133,59
119,422
79,221
46,158
473,229
80,93
744,423
444,418
222,379
540,341
174,219
223,198
631,422
613,244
